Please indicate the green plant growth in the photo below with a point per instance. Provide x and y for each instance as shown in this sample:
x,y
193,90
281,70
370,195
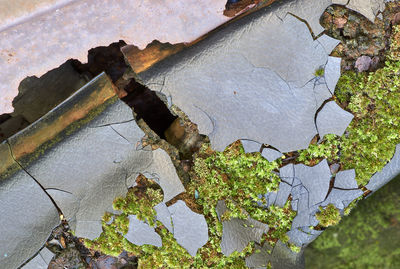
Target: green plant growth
x,y
319,72
232,176
368,238
328,216
370,140
239,178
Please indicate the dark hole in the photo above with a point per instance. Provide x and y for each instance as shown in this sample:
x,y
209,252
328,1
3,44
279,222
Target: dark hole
x,y
109,59
149,107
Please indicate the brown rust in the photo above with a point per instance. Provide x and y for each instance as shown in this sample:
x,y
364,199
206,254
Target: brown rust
x,y
141,60
69,112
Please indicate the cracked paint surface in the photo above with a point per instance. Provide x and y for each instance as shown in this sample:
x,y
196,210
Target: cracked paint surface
x,y
83,173
237,233
244,85
23,233
190,228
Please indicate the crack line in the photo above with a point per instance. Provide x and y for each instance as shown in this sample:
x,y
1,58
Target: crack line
x,y
37,182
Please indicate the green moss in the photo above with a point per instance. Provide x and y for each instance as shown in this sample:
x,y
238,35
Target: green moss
x,y
319,72
232,176
368,238
370,140
328,216
238,178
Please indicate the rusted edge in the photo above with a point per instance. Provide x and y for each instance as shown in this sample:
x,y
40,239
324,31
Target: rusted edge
x,y
62,121
141,60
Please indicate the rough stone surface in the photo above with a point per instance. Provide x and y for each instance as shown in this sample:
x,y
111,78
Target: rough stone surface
x,y
237,233
262,92
390,171
36,263
332,119
283,194
190,228
315,179
336,197
36,39
28,217
140,233
363,63
346,179
271,154
164,216
303,217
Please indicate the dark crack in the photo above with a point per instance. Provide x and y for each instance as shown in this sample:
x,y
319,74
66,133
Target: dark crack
x,y
37,182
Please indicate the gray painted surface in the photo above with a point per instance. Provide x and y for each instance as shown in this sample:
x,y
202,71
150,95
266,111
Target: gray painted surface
x,y
27,219
241,84
332,119
164,216
237,233
271,154
390,171
190,228
315,179
140,233
346,179
337,197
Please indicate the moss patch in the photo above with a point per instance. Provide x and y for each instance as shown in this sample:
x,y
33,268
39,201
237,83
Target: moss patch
x,y
233,176
368,238
370,140
328,216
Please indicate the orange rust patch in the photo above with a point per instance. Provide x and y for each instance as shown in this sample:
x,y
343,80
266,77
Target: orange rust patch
x,y
141,60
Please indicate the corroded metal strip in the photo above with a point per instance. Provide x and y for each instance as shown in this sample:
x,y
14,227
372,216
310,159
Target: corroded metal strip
x,y
63,120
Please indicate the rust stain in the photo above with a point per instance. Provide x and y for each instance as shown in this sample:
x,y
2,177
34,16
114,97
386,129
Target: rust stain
x,y
47,128
141,60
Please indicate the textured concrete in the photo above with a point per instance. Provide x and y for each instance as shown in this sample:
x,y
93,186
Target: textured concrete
x,y
241,83
190,228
